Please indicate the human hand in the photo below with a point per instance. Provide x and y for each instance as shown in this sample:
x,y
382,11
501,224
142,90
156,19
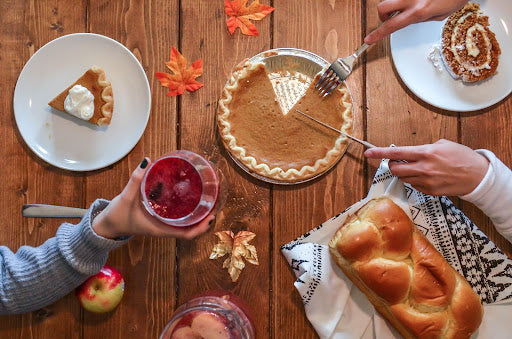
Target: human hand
x,y
410,12
125,215
442,168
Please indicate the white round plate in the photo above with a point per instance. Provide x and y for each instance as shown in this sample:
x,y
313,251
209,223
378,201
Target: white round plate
x,y
411,46
63,140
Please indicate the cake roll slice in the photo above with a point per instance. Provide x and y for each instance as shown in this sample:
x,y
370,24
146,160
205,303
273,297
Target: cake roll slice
x,y
469,48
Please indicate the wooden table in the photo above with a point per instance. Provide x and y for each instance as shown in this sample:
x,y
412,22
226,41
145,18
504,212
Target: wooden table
x,y
163,273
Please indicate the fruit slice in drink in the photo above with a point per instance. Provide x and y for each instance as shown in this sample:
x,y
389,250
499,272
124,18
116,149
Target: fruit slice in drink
x,y
214,315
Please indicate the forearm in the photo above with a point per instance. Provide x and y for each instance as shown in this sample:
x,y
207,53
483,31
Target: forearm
x,y
38,276
494,195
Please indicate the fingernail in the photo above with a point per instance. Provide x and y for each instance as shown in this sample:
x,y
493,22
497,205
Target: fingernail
x,y
144,163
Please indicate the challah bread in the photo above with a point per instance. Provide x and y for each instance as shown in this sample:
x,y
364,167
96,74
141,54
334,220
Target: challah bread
x,y
406,279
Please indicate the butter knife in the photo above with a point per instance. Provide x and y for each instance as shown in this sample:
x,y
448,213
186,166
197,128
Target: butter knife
x,y
51,211
362,142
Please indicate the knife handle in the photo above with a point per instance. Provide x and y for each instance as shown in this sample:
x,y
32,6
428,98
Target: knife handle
x,y
51,211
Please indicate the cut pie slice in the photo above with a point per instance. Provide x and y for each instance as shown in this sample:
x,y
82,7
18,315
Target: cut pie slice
x,y
285,147
95,81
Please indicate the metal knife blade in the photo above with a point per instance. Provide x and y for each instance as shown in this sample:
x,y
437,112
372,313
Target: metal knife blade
x,y
362,142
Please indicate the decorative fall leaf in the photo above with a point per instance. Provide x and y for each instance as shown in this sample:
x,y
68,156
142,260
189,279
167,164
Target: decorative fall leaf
x,y
240,15
236,247
183,78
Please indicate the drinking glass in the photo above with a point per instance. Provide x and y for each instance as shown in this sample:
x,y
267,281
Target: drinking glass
x,y
181,188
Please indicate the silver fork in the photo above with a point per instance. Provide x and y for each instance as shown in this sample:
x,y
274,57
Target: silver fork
x,y
338,72
340,69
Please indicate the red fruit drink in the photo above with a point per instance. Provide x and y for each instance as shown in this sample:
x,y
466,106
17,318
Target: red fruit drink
x,y
214,315
180,189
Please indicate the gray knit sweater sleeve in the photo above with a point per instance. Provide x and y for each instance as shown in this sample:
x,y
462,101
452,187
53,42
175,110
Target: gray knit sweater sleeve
x,y
35,277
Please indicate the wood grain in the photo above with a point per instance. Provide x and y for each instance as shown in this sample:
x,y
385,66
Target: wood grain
x,y
161,274
26,27
204,35
146,28
395,115
330,29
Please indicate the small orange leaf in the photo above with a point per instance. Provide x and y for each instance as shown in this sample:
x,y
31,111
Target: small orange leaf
x,y
240,15
183,78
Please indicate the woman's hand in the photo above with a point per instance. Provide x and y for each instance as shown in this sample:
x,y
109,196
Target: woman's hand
x,y
410,12
125,215
442,168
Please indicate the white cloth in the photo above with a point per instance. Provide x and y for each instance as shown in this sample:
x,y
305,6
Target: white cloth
x,y
494,194
337,309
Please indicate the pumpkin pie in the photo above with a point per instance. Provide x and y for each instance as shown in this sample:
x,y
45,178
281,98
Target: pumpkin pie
x,y
469,48
284,146
95,81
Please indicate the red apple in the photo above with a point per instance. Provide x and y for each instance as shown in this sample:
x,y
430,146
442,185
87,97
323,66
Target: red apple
x,y
102,292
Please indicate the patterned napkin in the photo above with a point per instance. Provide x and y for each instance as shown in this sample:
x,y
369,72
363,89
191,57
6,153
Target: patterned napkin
x,y
337,309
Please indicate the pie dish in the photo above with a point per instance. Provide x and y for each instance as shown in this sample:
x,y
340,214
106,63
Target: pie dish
x,y
283,146
95,81
469,48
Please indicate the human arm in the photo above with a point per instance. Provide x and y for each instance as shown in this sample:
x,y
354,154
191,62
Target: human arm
x,y
410,12
34,277
448,168
494,194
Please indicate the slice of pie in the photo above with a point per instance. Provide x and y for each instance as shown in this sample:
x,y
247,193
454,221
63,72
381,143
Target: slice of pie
x,y
285,147
94,80
469,48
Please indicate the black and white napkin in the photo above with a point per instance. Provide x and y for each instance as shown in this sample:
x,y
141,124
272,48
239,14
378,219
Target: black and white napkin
x,y
337,309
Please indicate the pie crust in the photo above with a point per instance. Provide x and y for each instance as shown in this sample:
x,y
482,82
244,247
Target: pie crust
x,y
95,81
284,147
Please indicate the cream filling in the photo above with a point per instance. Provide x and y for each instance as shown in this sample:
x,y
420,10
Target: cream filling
x,y
471,42
434,56
470,46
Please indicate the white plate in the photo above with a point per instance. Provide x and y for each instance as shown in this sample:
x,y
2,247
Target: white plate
x,y
68,142
411,45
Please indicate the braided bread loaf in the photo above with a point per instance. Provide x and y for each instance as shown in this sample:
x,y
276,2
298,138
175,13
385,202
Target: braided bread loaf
x,y
406,279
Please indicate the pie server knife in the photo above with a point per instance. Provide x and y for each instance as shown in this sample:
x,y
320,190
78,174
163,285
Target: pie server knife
x,y
52,211
362,142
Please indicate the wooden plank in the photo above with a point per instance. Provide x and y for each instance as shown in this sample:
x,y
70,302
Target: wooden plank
x,y
146,28
395,114
204,35
330,29
489,129
27,26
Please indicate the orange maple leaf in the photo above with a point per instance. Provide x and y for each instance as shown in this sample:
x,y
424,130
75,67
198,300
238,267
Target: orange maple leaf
x,y
183,78
240,15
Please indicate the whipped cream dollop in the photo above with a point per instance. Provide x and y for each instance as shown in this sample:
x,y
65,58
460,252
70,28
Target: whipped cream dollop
x,y
80,102
434,56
